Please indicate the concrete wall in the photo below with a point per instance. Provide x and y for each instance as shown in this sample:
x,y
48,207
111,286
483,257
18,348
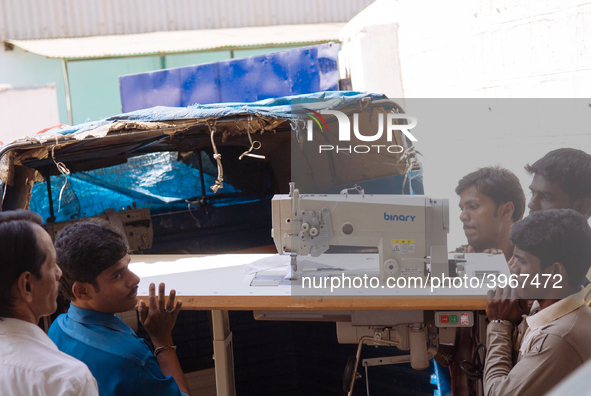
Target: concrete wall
x,y
465,48
478,49
19,68
26,110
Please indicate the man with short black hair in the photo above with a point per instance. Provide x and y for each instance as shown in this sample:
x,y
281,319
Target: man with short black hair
x,y
552,248
30,363
561,180
491,201
94,259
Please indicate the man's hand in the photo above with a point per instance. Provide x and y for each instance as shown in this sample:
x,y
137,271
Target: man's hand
x,y
493,251
504,304
464,249
158,319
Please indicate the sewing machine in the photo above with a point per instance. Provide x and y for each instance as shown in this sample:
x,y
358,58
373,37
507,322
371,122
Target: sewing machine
x,y
410,232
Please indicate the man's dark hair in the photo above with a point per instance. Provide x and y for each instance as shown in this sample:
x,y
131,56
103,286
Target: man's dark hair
x,y
84,250
499,184
20,251
556,236
571,168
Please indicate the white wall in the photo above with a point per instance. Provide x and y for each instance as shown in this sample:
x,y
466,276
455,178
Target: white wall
x,y
466,48
478,49
26,110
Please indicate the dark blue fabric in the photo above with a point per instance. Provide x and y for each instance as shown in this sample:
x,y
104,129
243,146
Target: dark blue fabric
x,y
122,363
157,181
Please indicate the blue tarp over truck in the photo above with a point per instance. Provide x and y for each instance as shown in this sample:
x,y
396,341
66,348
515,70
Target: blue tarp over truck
x,y
148,170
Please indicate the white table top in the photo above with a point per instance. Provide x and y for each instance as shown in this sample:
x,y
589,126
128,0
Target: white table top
x,y
224,282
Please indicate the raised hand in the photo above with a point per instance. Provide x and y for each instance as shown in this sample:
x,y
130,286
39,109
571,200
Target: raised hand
x,y
159,317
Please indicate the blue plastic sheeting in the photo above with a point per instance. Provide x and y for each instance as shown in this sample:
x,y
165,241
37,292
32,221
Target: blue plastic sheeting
x,y
442,379
275,107
156,181
394,184
292,72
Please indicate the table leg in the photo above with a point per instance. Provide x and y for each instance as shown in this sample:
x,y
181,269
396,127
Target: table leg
x,y
223,354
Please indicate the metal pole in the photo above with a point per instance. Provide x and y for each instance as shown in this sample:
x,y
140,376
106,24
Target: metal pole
x,y
223,354
201,177
67,83
48,183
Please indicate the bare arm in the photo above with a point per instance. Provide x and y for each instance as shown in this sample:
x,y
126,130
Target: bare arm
x,y
159,319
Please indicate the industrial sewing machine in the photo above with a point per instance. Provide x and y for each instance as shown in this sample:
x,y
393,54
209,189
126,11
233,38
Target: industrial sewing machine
x,y
410,234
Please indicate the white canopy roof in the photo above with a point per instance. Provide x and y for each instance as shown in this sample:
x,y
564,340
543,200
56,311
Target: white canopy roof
x,y
160,43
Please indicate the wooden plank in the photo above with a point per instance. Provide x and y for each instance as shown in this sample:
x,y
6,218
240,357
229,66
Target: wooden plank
x,y
275,303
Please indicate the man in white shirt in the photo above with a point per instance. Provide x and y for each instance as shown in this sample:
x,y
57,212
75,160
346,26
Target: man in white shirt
x,y
30,363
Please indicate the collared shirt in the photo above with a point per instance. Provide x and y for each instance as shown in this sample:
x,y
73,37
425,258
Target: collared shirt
x,y
555,345
122,363
588,288
31,364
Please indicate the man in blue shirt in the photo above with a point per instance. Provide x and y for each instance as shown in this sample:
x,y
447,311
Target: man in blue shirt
x,y
96,279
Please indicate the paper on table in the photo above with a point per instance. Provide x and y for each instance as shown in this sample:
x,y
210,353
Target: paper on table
x,y
278,260
267,263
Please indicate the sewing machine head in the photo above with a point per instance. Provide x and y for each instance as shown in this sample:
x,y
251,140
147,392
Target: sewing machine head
x,y
405,229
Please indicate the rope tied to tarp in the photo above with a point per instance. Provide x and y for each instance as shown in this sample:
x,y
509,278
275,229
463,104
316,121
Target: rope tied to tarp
x,y
63,170
411,162
218,158
252,144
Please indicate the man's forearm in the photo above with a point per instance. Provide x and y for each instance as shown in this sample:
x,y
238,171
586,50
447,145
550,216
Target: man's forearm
x,y
499,360
169,364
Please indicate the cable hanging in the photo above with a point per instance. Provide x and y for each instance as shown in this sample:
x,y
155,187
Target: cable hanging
x,y
63,170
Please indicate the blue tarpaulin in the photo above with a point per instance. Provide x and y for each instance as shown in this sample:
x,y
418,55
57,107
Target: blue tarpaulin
x,y
247,79
274,107
158,180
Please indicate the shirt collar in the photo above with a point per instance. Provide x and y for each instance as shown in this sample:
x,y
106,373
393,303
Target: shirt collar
x,y
11,326
556,310
88,317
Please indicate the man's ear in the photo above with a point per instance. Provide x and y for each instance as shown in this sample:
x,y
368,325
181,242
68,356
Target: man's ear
x,y
80,291
583,206
557,269
506,211
24,286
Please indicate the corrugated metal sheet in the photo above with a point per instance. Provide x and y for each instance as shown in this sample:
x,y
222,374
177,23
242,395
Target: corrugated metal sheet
x,y
181,41
37,19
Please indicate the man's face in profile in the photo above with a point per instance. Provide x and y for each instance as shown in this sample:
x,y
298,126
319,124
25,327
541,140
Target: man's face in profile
x,y
116,289
535,281
45,289
547,195
482,223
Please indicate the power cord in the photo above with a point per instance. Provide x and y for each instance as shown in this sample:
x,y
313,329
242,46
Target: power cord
x,y
475,368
